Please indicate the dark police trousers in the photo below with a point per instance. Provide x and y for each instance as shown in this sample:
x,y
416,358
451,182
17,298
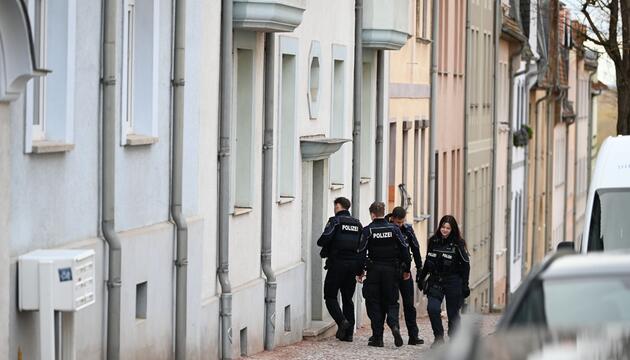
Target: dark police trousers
x,y
380,291
341,277
406,292
449,286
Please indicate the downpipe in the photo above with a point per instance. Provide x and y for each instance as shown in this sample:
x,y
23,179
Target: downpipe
x,y
550,163
267,200
109,79
464,219
357,100
380,82
433,116
537,158
223,226
181,262
495,127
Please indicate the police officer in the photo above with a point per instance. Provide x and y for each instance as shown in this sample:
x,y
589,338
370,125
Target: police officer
x,y
340,243
448,267
386,259
406,285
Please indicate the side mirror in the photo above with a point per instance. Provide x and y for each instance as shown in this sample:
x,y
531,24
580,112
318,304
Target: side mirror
x,y
566,246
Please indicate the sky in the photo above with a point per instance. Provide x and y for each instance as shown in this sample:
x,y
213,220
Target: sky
x,y
606,67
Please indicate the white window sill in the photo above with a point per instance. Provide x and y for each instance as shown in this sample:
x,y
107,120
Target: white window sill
x,y
336,187
140,140
241,211
50,147
285,200
365,180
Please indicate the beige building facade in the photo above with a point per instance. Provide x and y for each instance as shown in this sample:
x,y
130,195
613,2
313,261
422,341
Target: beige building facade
x,y
409,101
449,142
479,141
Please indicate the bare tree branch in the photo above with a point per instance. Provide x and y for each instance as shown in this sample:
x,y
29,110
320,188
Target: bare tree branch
x,y
613,51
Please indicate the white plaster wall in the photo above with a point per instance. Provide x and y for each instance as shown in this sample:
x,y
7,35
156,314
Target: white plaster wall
x,y
55,196
245,230
208,78
147,255
5,205
142,172
329,28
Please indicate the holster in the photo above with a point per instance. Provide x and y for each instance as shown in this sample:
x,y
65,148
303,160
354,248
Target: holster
x,y
434,290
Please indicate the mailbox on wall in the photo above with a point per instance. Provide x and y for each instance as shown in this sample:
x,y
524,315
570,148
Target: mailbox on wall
x,y
60,280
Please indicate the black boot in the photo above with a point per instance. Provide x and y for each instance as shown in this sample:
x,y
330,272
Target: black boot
x,y
349,333
415,340
439,340
342,330
398,340
376,341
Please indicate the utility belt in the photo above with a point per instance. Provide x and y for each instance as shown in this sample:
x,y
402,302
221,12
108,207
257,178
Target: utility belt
x,y
340,258
441,276
394,263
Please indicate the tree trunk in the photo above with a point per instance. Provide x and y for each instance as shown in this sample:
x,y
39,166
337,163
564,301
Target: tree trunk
x,y
623,108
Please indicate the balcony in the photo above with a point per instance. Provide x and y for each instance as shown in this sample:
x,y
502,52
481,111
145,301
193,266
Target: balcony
x,y
268,15
386,24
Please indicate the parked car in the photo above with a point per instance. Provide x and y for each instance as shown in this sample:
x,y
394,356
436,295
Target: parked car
x,y
607,222
609,342
573,291
572,306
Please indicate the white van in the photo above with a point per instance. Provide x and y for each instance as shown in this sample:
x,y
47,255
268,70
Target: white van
x,y
607,222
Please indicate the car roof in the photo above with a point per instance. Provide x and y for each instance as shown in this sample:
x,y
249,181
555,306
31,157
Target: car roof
x,y
612,168
591,264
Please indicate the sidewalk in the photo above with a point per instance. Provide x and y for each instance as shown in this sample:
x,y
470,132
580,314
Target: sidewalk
x,y
331,348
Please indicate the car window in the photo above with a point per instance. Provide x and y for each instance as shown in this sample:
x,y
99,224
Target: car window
x,y
531,312
610,225
576,303
587,302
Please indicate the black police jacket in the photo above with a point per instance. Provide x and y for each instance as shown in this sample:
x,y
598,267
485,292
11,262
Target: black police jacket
x,y
383,243
447,257
412,242
341,237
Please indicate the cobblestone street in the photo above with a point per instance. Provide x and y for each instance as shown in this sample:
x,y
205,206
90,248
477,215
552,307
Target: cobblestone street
x,y
331,348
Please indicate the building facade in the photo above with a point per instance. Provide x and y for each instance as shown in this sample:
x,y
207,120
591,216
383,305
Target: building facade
x,y
409,122
54,147
479,141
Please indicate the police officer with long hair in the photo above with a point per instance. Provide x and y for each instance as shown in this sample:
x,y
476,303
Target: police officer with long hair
x,y
448,266
340,243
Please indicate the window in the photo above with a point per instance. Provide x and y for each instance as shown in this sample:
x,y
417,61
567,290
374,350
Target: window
x,y
595,301
609,227
338,114
287,120
367,113
418,169
140,72
313,80
391,195
49,100
243,112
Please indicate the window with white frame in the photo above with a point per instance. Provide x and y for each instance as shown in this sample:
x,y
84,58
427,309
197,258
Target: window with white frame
x,y
338,113
140,72
287,118
313,79
49,100
243,105
368,112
